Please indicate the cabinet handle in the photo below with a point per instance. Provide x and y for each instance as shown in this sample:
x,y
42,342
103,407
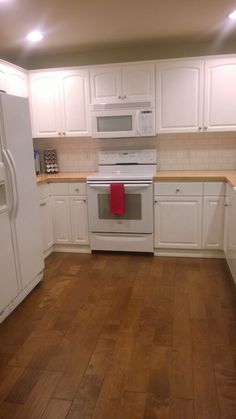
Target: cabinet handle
x,y
155,201
76,189
199,128
205,128
124,97
119,97
64,133
228,205
43,204
84,200
177,189
59,133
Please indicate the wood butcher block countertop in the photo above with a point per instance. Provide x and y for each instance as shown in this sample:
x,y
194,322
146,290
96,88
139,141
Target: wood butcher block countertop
x,y
164,175
63,177
197,176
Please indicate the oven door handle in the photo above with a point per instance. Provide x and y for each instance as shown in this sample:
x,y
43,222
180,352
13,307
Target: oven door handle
x,y
126,185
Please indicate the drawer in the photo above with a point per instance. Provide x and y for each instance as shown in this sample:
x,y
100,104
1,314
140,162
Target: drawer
x,y
214,188
77,188
43,190
59,188
178,188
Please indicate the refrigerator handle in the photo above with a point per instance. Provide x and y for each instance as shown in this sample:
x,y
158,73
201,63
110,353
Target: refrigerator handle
x,y
14,183
8,167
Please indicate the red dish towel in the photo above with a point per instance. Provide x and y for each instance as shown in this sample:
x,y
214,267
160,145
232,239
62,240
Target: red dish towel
x,y
117,198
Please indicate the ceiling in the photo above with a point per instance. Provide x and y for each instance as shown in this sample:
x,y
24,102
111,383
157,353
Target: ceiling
x,y
79,25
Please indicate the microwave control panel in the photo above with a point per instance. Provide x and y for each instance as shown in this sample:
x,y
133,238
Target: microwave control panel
x,y
146,122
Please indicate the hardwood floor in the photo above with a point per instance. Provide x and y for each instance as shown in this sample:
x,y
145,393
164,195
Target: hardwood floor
x,y
119,336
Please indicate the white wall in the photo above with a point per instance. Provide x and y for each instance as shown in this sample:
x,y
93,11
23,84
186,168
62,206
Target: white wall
x,y
201,151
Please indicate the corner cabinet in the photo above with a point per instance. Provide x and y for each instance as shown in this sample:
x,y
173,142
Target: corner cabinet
x,y
117,84
220,94
13,80
179,96
59,103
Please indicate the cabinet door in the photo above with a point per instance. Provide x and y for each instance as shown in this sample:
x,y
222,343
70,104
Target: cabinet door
x,y
46,223
179,96
138,82
213,222
79,220
8,278
220,95
74,102
45,104
178,222
230,230
16,82
105,84
61,220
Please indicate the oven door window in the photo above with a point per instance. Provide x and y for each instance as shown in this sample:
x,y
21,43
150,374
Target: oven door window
x,y
133,207
115,123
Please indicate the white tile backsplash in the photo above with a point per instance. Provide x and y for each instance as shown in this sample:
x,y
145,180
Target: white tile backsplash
x,y
200,151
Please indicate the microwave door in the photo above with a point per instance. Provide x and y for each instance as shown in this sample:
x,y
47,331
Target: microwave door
x,y
114,125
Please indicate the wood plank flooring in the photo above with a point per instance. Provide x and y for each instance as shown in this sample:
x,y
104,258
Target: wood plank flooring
x,y
120,336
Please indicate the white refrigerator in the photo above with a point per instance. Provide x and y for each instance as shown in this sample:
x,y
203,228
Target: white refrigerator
x,y
21,253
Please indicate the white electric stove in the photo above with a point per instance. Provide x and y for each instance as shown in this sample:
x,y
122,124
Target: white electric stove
x,y
132,231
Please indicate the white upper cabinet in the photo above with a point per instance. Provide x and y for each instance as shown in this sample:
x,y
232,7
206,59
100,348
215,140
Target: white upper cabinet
x,y
179,96
105,84
74,93
45,104
138,82
59,103
129,82
13,80
220,94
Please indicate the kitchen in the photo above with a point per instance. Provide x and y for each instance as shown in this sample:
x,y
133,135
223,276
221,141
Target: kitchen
x,y
122,334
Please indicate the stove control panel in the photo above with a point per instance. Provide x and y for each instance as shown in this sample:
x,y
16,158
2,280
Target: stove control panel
x,y
148,156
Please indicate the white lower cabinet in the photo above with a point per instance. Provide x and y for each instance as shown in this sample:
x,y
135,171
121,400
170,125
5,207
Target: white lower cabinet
x,y
64,214
189,215
213,222
79,220
61,220
230,230
46,223
178,222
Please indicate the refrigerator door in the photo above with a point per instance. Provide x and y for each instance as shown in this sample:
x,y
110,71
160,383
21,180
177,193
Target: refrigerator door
x,y
8,283
25,218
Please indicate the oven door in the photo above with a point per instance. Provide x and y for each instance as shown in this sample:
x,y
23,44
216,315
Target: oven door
x,y
138,217
114,124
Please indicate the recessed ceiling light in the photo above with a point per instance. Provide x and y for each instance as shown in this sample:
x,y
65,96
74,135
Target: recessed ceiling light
x,y
34,36
232,15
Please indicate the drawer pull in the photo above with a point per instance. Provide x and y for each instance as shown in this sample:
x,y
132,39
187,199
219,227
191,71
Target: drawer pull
x,y
177,189
76,189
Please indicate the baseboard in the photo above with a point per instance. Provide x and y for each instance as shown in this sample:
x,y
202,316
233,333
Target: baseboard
x,y
73,248
198,253
47,252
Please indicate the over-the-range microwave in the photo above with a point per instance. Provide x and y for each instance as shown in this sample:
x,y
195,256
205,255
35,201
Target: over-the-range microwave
x,y
123,120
